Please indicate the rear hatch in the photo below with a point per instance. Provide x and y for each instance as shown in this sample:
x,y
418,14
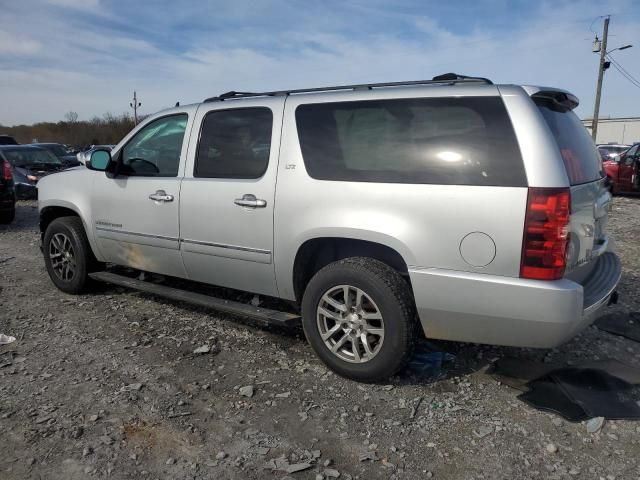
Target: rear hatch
x,y
589,195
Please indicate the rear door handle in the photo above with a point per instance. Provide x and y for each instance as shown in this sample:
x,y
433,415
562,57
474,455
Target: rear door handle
x,y
161,196
250,201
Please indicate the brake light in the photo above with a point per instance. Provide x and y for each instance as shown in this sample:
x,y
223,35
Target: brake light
x,y
7,174
546,233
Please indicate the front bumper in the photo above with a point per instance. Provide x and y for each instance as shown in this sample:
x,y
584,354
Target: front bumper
x,y
471,307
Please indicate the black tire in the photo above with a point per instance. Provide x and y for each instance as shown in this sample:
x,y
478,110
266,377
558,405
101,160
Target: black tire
x,y
392,297
8,216
82,256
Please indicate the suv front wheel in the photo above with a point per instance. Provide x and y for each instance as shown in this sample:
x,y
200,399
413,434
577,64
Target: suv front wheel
x,y
67,254
358,315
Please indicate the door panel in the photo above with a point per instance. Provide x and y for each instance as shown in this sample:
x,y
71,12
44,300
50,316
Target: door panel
x,y
226,221
136,215
625,169
134,231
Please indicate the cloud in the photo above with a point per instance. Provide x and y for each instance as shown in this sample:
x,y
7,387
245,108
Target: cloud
x,y
12,44
185,51
79,4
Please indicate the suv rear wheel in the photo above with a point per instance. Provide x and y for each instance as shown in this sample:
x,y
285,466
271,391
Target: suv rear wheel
x,y
67,254
358,315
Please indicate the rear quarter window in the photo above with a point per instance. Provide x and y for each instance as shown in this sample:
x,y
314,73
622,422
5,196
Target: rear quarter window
x,y
450,141
581,159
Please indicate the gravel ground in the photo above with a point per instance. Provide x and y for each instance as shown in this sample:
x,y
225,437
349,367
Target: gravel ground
x,y
108,385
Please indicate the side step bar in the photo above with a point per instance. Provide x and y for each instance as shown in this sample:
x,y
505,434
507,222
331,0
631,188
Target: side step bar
x,y
276,317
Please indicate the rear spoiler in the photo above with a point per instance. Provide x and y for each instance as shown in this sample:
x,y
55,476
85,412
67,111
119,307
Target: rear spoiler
x,y
561,97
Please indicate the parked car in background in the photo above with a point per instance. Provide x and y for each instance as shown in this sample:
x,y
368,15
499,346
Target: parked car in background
x,y
623,171
86,154
60,151
29,164
7,192
611,150
7,140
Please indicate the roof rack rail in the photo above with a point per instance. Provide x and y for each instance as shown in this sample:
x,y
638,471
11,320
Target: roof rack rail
x,y
444,79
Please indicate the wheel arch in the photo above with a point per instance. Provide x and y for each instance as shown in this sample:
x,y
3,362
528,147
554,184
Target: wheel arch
x,y
50,212
315,253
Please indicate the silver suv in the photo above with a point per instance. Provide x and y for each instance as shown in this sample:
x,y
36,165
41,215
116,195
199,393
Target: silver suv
x,y
472,210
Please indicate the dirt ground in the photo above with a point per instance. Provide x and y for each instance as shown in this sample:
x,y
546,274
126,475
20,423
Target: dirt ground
x,y
107,385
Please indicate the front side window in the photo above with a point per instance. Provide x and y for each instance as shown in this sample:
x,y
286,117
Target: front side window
x,y
234,143
630,155
155,150
447,141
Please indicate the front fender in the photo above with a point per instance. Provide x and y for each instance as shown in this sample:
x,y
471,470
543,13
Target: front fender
x,y
71,189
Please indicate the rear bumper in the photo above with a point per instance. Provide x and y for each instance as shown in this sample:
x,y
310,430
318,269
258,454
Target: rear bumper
x,y
7,199
26,191
479,308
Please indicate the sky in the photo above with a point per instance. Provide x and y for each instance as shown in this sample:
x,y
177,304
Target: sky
x,y
88,56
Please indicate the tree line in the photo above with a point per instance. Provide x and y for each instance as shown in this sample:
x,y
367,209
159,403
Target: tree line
x,y
108,129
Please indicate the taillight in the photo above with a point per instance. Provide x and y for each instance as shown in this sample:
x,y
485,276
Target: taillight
x,y
7,174
546,233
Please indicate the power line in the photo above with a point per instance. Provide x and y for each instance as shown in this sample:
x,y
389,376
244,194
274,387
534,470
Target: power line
x,y
625,76
624,72
594,21
610,57
623,69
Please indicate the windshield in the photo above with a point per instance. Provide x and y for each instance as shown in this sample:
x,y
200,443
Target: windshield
x,y
613,151
57,150
27,158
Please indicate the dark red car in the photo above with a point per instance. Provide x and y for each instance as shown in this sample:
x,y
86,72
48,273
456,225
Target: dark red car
x,y
623,171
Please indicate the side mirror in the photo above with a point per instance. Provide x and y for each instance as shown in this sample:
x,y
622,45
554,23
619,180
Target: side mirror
x,y
99,161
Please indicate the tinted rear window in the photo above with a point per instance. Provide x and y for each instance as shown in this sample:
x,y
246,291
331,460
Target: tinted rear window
x,y
451,141
581,158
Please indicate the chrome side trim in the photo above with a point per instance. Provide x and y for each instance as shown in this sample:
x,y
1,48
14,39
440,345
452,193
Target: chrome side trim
x,y
185,240
137,234
223,245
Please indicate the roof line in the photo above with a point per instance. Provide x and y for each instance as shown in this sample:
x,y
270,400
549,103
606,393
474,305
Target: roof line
x,y
445,79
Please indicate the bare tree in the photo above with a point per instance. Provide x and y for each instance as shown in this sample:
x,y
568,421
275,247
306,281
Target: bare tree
x,y
107,129
71,117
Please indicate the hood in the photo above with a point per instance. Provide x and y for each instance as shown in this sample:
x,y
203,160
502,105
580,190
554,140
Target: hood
x,y
70,161
38,170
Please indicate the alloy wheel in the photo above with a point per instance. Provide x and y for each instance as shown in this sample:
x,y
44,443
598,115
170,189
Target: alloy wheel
x,y
350,324
62,257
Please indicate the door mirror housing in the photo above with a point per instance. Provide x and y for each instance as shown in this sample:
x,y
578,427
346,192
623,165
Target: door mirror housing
x,y
100,160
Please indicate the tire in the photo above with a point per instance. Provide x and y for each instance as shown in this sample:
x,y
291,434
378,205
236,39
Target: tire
x,y
383,290
8,216
66,235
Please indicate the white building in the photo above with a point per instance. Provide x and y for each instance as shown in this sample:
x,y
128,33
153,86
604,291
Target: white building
x,y
616,130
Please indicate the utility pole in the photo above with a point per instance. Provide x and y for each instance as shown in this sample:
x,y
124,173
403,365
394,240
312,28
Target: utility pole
x,y
601,69
135,104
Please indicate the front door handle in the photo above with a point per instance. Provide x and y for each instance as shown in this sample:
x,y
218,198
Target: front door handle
x,y
161,196
249,200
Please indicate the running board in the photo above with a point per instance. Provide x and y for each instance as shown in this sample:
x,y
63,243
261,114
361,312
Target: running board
x,y
275,317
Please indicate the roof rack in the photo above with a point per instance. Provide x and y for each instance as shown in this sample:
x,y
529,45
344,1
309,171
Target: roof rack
x,y
444,79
